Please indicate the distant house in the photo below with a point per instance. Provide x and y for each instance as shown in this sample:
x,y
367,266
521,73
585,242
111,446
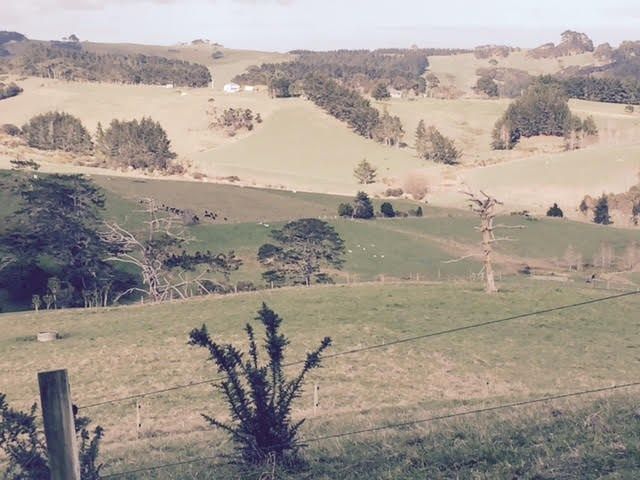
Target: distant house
x,y
249,88
395,93
231,88
169,85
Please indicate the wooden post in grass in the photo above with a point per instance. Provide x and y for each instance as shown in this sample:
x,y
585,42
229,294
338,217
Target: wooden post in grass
x,y
316,398
138,418
59,430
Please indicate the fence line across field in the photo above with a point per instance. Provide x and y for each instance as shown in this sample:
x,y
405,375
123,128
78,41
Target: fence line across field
x,y
378,346
393,426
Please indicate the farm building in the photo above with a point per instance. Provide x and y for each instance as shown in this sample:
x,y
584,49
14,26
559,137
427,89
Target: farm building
x,y
231,88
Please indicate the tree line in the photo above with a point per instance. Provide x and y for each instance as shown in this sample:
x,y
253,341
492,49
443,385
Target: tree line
x,y
69,61
356,69
59,249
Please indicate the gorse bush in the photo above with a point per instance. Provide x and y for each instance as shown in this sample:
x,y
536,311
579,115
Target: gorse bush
x,y
25,448
57,131
139,144
259,395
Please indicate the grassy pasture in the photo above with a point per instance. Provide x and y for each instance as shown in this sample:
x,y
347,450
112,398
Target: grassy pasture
x,y
460,70
121,351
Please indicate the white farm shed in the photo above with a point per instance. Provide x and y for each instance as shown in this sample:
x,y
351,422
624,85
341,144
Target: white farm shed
x,y
231,88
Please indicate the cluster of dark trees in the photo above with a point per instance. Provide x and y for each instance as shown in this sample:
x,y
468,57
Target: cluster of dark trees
x,y
51,242
9,90
542,110
57,131
69,61
603,89
343,103
357,69
432,145
336,81
139,144
232,120
618,81
362,208
57,249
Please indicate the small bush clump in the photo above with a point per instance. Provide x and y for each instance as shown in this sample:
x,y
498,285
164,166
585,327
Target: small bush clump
x,y
387,211
555,211
10,90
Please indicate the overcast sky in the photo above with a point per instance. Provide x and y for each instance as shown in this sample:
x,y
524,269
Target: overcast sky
x,y
324,24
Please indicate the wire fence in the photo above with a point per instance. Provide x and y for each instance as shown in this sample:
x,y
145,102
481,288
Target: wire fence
x,y
394,426
378,346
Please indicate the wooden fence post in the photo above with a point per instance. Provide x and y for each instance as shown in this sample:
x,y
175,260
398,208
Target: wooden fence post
x,y
138,418
59,430
316,398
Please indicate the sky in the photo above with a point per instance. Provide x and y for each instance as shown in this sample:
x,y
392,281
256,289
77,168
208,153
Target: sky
x,y
283,25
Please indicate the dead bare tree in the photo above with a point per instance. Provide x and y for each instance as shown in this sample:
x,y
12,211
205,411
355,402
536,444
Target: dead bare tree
x,y
484,206
158,253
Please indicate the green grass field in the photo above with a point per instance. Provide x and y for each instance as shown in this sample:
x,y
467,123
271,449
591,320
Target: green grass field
x,y
117,352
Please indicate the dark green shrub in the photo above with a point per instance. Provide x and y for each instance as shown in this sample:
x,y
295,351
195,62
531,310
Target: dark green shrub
x,y
57,131
259,396
487,85
387,210
555,211
601,211
345,210
10,90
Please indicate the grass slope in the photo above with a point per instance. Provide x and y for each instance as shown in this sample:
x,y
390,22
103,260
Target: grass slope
x,y
116,352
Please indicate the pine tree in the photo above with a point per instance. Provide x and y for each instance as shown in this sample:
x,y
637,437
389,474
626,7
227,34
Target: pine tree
x,y
365,173
601,211
363,208
441,148
422,142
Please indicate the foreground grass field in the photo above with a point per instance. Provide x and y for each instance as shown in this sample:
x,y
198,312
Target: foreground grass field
x,y
118,352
